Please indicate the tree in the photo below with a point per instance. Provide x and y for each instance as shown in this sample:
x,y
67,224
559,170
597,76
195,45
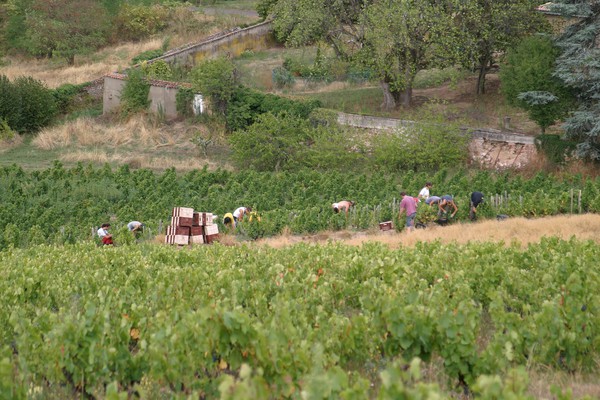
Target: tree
x,y
493,26
527,81
62,28
578,67
216,78
396,38
135,93
271,143
402,37
302,22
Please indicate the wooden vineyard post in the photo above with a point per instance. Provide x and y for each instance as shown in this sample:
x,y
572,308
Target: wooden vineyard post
x,y
571,200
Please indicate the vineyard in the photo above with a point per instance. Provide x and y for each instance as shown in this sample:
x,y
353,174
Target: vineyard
x,y
310,322
60,205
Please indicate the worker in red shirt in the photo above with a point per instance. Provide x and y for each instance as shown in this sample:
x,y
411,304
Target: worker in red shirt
x,y
409,206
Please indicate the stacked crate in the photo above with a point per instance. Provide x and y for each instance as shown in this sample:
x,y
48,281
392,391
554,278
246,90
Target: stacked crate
x,y
190,227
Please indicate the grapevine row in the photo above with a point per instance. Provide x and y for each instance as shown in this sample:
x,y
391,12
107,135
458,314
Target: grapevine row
x,y
60,205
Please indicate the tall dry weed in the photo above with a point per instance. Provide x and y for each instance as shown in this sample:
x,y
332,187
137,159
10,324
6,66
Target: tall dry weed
x,y
87,132
86,68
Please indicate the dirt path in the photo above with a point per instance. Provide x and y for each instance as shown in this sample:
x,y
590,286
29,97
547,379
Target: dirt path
x,y
515,230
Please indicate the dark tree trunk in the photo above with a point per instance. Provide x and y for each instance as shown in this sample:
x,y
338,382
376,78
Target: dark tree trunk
x,y
483,67
406,96
389,102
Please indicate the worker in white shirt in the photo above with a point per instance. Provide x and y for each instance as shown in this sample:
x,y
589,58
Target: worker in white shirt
x,y
424,193
238,214
343,205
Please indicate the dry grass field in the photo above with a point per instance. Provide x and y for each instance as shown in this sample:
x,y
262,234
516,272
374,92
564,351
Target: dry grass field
x,y
85,70
140,142
519,231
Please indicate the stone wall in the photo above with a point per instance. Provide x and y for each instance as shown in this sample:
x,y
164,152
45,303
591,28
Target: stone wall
x,y
95,88
233,42
490,148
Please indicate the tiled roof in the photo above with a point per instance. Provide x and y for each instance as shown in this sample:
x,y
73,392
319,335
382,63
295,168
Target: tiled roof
x,y
153,82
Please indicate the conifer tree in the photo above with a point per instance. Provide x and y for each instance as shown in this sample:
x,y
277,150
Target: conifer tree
x,y
579,67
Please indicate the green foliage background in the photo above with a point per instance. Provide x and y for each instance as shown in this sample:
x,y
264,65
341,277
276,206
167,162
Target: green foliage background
x,y
530,68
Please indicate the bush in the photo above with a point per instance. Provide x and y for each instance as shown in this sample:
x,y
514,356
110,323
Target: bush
x,y
247,105
423,146
528,81
282,78
554,147
216,79
159,69
6,133
320,70
146,56
9,102
323,117
37,106
296,67
136,22
332,148
135,93
64,96
270,144
183,102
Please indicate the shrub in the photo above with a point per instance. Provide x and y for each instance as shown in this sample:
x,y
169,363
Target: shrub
x,y
331,148
295,67
323,117
320,70
135,93
37,105
554,147
216,79
282,77
528,81
6,133
247,105
159,69
64,96
423,146
136,22
183,102
270,144
146,56
12,235
9,102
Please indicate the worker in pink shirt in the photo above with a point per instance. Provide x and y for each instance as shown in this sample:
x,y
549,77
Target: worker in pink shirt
x,y
409,206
